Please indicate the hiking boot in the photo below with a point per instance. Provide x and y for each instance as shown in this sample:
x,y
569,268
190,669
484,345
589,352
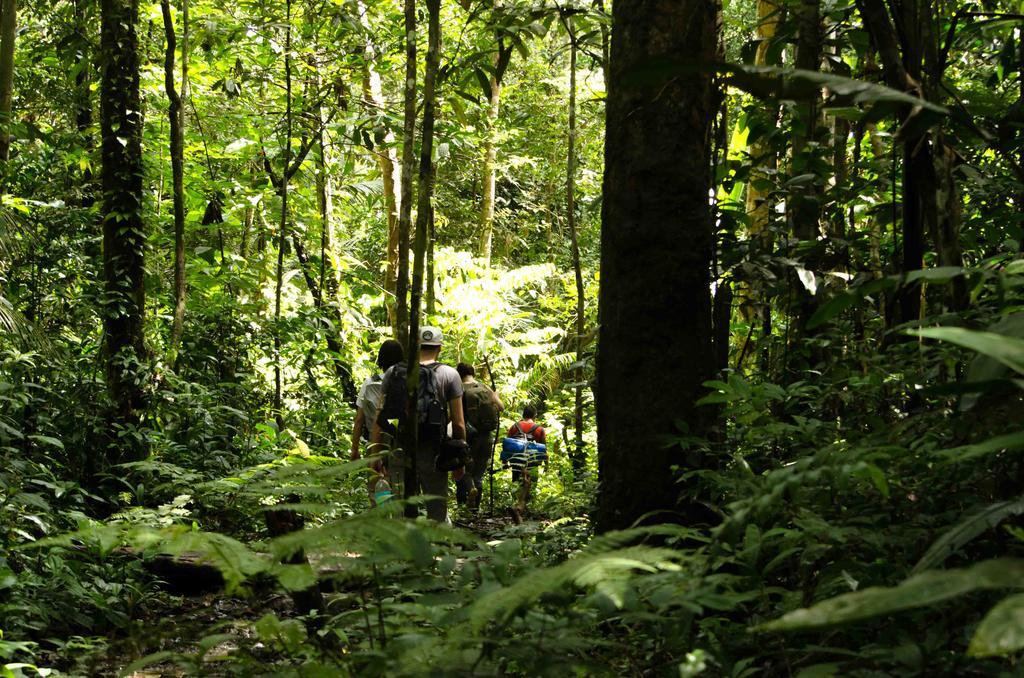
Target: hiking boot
x,y
473,501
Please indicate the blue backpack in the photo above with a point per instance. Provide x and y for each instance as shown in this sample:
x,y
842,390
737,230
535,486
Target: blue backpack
x,y
523,450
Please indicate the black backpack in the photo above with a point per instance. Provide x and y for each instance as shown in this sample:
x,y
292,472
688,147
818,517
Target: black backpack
x,y
430,404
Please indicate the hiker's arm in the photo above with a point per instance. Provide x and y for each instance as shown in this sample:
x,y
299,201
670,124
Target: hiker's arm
x,y
458,419
376,434
357,431
500,406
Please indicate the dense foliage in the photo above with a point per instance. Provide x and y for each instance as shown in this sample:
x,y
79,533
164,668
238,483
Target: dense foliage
x,y
846,502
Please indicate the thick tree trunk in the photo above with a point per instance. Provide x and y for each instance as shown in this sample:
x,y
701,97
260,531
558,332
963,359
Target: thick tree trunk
x,y
579,459
401,325
176,118
423,209
124,238
655,335
8,31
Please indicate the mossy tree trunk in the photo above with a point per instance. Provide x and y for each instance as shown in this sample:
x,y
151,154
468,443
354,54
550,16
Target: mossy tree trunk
x,y
124,236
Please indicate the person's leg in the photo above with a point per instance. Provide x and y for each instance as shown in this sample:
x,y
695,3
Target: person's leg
x,y
462,488
432,482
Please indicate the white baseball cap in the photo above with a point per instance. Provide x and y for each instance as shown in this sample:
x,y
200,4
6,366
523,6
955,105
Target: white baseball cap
x,y
430,336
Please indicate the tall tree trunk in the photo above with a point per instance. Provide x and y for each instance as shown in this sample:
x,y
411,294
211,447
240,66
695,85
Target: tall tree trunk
x,y
489,170
903,55
282,231
423,207
176,119
384,143
124,238
655,258
579,459
431,291
500,63
8,31
325,204
804,199
759,206
83,96
401,325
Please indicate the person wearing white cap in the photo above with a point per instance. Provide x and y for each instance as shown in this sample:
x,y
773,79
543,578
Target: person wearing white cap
x,y
448,388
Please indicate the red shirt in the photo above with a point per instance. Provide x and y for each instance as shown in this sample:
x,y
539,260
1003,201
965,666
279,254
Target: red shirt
x,y
524,427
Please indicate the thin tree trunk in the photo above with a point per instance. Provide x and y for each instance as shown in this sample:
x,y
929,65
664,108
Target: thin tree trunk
x,y
490,161
124,239
325,203
500,63
175,115
431,240
758,201
83,97
579,459
804,200
384,142
8,31
657,236
401,325
282,234
423,206
331,311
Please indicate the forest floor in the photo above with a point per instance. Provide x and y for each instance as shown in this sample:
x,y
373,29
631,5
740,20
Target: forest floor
x,y
194,632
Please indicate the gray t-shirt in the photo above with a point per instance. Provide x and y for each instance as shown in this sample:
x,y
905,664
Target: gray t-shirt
x,y
449,382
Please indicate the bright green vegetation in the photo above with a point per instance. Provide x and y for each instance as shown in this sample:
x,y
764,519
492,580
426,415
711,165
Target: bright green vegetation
x,y
815,469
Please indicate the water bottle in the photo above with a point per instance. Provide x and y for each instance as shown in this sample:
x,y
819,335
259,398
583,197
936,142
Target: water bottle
x,y
382,491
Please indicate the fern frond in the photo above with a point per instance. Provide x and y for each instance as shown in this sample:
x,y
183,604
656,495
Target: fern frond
x,y
586,570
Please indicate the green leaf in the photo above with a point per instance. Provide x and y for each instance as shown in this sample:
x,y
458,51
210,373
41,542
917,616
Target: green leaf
x,y
296,577
939,274
974,523
1007,350
1010,441
832,308
920,590
48,440
1001,631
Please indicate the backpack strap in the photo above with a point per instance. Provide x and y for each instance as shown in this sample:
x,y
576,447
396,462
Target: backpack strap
x,y
518,428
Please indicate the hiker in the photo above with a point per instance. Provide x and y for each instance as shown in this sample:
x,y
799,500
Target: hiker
x,y
482,408
440,402
371,393
523,471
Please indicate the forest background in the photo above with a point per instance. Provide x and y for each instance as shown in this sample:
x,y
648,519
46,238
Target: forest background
x,y
798,223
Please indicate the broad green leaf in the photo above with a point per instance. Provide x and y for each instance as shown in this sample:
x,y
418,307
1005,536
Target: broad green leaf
x,y
973,524
1010,441
1007,350
832,308
1001,631
939,274
48,440
920,590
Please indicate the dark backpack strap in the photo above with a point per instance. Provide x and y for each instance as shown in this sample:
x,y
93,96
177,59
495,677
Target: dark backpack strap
x,y
518,428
